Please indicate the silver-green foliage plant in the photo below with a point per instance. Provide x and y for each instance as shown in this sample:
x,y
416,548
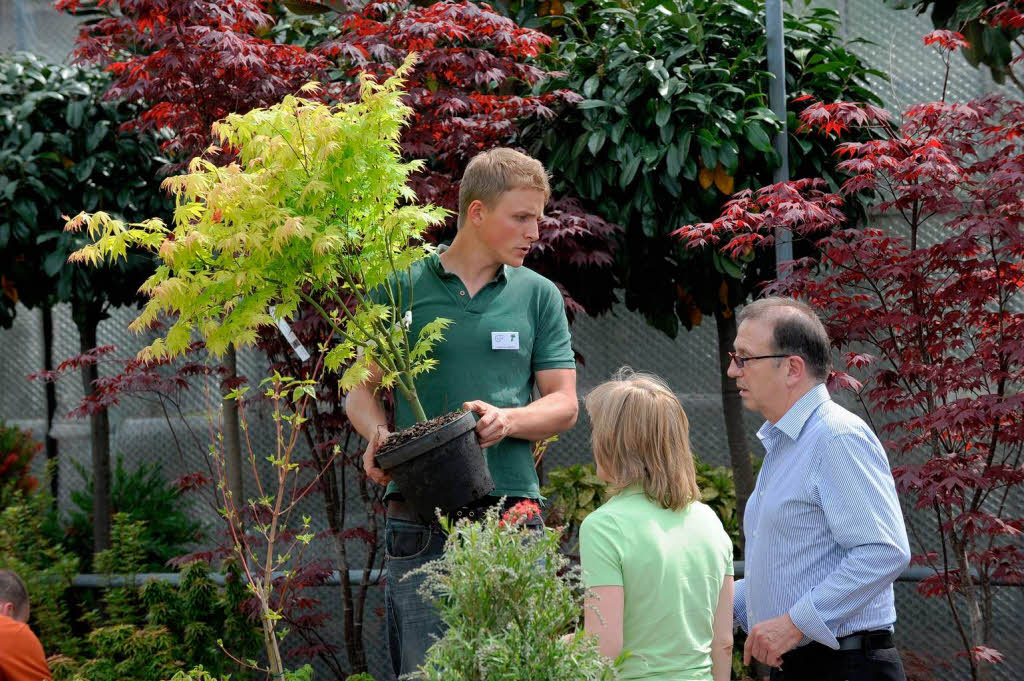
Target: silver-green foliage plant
x,y
508,596
315,208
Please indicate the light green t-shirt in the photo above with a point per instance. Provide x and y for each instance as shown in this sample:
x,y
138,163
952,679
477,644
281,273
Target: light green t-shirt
x,y
671,565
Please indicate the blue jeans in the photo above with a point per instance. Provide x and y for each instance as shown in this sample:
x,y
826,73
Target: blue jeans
x,y
413,622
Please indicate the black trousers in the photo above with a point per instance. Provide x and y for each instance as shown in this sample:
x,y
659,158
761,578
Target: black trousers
x,y
815,662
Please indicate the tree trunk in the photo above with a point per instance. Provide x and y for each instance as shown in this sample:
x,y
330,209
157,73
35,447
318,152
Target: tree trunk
x,y
732,408
232,436
99,431
972,605
51,402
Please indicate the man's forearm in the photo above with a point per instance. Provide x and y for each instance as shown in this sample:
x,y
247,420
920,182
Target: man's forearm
x,y
550,415
862,575
365,412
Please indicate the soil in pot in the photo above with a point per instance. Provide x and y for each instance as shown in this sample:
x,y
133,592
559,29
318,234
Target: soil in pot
x,y
417,430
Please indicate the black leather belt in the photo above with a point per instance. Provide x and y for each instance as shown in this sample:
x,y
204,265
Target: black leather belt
x,y
867,640
399,510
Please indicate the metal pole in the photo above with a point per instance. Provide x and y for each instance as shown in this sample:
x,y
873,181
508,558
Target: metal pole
x,y
95,581
777,100
24,28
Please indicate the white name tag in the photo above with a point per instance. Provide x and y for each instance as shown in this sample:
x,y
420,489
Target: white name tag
x,y
504,340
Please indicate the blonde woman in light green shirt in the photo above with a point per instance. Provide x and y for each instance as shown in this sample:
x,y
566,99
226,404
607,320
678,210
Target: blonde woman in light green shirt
x,y
657,563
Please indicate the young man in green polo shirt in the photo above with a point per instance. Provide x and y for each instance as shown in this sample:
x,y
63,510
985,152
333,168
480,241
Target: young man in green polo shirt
x,y
509,336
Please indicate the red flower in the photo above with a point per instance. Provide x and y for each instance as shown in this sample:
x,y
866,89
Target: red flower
x,y
520,513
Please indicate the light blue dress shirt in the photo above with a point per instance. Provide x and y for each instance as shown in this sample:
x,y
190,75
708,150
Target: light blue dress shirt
x,y
825,537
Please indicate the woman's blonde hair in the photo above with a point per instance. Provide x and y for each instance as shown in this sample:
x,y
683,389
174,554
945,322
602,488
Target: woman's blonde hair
x,y
641,436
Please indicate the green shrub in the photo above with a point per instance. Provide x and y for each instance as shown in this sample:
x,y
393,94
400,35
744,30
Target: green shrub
x,y
27,547
507,596
152,631
575,491
141,494
200,674
129,633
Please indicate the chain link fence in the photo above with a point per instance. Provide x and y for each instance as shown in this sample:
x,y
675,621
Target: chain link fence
x,y
689,363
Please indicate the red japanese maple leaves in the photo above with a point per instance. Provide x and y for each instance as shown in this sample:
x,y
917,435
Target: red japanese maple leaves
x,y
192,62
926,300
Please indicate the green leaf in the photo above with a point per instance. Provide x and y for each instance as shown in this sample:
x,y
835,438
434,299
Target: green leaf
x,y
629,171
596,141
673,160
96,135
26,209
590,86
708,155
83,169
75,113
53,263
664,113
728,156
33,145
757,137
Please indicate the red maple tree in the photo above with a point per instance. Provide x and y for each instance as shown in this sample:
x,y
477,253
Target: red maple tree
x,y
471,90
191,62
925,302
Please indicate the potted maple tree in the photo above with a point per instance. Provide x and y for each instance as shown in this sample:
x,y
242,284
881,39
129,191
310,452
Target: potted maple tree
x,y
315,207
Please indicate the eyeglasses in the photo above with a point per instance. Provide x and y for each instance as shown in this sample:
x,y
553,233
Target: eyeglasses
x,y
740,360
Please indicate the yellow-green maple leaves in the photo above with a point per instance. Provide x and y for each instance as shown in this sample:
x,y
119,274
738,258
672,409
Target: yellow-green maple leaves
x,y
315,207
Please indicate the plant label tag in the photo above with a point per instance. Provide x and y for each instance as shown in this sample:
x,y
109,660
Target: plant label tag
x,y
289,335
504,340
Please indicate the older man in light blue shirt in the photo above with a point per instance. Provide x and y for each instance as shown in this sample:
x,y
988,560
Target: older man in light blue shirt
x,y
825,537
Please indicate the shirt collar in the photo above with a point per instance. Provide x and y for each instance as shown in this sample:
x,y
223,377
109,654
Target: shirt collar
x,y
435,262
793,421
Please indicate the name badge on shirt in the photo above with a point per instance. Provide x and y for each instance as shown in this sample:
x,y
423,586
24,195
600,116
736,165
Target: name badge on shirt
x,y
504,340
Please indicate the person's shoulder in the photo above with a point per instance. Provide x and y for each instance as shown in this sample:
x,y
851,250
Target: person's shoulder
x,y
11,629
837,421
703,514
532,280
602,519
421,268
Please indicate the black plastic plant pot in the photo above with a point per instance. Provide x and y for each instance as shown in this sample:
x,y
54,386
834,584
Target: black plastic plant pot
x,y
443,469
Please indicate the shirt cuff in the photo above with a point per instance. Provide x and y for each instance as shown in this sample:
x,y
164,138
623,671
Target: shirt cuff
x,y
806,618
739,605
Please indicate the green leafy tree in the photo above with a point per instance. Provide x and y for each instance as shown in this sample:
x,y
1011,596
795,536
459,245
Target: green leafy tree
x,y
675,120
318,196
62,150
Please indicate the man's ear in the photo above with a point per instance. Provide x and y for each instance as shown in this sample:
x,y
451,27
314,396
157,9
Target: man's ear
x,y
7,609
796,369
475,211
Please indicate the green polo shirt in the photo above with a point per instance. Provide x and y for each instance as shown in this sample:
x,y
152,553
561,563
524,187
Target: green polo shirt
x,y
514,326
671,565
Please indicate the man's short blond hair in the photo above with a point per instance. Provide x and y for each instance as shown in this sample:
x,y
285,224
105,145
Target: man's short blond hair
x,y
641,437
492,173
